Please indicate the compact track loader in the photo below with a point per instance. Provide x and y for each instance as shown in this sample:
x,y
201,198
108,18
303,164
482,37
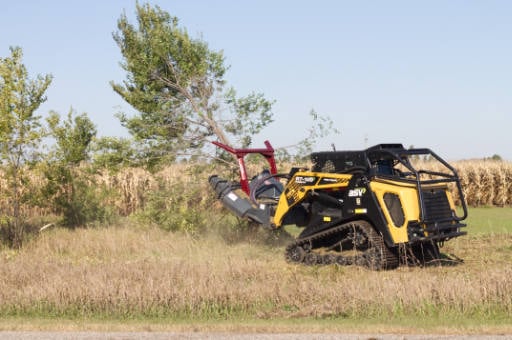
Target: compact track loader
x,y
376,208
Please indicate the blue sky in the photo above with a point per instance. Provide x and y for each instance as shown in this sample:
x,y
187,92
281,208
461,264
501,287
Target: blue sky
x,y
434,74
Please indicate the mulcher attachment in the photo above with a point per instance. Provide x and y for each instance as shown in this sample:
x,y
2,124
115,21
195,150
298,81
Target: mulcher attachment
x,y
240,206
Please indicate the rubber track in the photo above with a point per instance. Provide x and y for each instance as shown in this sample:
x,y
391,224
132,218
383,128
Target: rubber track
x,y
300,251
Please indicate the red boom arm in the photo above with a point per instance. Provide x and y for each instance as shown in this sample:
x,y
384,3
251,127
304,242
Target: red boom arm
x,y
240,154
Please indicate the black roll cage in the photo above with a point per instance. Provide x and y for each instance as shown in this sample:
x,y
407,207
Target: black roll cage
x,y
365,163
401,155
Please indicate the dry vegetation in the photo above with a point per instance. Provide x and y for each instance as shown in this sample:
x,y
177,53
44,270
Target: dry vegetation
x,y
485,183
131,272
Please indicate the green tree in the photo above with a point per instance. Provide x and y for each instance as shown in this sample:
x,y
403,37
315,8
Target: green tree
x,y
177,85
114,153
73,136
20,136
71,188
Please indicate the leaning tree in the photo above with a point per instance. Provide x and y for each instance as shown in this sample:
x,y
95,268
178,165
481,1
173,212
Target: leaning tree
x,y
177,86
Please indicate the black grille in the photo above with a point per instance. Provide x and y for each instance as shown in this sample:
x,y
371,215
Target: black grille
x,y
439,223
437,206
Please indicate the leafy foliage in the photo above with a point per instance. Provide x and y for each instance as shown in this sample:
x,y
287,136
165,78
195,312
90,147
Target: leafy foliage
x,y
73,136
495,157
177,85
71,188
177,206
114,153
20,135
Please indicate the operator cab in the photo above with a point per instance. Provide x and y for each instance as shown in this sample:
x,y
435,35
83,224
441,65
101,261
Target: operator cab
x,y
383,167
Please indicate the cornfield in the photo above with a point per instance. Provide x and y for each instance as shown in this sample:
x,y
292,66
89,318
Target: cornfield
x,y
484,183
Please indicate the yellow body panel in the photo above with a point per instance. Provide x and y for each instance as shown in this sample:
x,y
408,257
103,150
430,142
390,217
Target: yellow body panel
x,y
301,184
408,194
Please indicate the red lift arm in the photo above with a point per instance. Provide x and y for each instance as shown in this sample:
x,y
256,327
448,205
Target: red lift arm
x,y
240,154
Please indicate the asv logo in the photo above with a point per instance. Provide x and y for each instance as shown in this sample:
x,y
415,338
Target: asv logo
x,y
357,192
304,180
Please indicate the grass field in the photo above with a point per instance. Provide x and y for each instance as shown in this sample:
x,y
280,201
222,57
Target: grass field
x,y
133,278
489,220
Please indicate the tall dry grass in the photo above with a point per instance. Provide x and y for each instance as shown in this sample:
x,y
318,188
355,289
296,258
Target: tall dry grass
x,y
131,272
